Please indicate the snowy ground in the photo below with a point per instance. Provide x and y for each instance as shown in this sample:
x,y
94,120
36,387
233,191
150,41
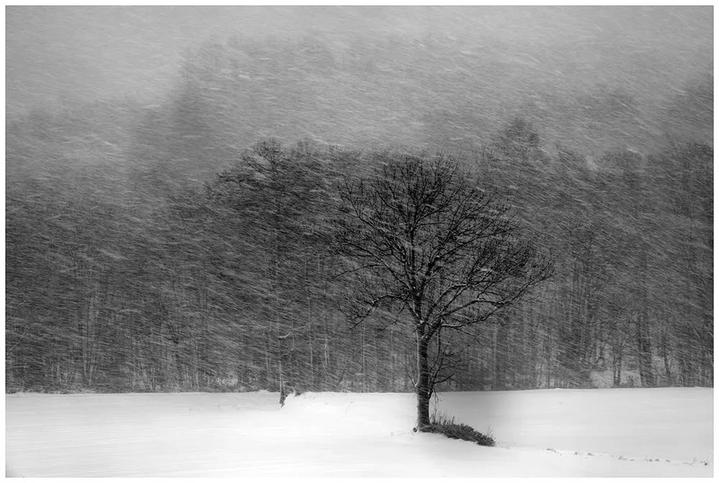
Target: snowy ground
x,y
600,432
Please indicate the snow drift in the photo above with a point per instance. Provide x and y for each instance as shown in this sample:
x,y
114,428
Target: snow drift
x,y
617,432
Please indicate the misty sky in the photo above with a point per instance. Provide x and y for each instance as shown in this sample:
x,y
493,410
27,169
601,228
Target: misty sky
x,y
58,54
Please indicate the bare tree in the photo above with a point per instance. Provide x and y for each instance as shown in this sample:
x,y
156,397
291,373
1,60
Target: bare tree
x,y
421,238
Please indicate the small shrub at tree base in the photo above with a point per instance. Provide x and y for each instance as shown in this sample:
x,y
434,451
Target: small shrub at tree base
x,y
453,430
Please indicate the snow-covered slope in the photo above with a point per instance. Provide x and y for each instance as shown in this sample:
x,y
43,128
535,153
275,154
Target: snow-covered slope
x,y
627,432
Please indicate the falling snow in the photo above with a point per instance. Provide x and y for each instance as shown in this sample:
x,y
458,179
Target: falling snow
x,y
177,222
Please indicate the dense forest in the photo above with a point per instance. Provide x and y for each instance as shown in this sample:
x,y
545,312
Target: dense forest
x,y
188,244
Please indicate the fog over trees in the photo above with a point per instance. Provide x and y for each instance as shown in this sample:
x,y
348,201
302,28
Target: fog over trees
x,y
177,184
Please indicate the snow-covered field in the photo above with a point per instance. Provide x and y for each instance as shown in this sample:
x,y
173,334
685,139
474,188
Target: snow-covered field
x,y
600,432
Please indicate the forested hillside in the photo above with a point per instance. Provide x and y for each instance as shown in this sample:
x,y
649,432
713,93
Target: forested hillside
x,y
187,243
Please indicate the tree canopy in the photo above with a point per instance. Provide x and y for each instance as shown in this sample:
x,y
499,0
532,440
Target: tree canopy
x,y
421,237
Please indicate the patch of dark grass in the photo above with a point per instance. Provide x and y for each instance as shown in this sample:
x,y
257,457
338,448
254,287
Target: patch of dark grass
x,y
449,428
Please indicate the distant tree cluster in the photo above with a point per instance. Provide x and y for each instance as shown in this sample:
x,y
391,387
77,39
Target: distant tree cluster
x,y
239,286
148,250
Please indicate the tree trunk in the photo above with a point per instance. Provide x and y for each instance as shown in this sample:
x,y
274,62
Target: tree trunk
x,y
644,342
423,383
617,367
665,357
646,372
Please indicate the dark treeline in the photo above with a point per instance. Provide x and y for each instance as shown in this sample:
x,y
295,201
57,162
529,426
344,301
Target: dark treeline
x,y
148,249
